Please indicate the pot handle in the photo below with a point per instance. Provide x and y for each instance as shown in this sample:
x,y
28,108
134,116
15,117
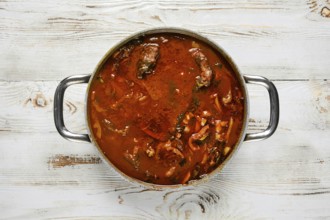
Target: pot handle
x,y
58,107
274,108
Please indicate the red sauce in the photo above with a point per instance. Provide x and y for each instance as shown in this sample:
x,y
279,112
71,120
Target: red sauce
x,y
166,109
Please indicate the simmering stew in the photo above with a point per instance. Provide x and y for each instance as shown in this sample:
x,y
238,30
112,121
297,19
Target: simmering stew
x,y
166,109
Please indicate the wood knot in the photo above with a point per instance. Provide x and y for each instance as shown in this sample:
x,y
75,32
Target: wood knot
x,y
325,12
38,100
189,202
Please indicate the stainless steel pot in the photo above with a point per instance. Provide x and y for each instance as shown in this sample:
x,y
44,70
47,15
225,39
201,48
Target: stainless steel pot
x,y
243,79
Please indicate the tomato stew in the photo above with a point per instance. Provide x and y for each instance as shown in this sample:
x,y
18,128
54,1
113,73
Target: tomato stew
x,y
166,109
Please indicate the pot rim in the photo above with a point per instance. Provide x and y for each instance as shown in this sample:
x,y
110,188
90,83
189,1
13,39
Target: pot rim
x,y
215,46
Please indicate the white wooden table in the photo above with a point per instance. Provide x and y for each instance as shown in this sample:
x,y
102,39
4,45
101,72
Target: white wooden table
x,y
43,176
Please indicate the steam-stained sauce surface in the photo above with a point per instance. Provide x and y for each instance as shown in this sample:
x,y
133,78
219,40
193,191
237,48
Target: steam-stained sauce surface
x,y
166,109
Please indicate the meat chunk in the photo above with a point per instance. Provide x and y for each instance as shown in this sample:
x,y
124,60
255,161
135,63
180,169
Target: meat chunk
x,y
156,127
148,59
168,154
123,53
204,80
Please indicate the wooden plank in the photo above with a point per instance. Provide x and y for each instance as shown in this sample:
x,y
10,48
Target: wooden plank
x,y
36,162
32,160
291,175
42,44
301,164
28,106
43,176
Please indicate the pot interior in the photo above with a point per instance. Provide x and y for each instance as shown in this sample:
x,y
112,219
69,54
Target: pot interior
x,y
162,145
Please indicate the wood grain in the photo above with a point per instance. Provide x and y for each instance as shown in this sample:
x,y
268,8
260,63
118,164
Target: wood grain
x,y
264,171
28,106
59,160
270,38
43,176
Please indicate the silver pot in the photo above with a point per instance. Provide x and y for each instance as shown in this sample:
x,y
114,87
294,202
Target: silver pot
x,y
243,80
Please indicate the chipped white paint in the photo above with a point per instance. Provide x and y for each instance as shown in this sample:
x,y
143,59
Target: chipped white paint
x,y
44,176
